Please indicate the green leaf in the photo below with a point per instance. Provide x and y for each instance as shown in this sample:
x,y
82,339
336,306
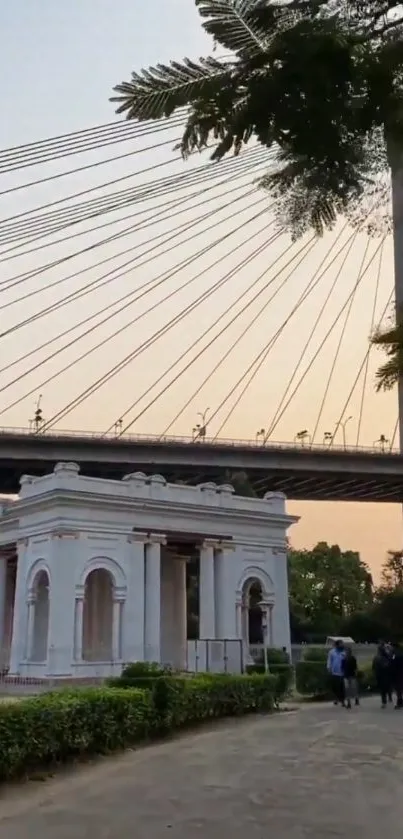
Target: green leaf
x,y
233,24
159,91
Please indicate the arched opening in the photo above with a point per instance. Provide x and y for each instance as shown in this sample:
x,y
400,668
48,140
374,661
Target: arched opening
x,y
98,616
40,605
252,596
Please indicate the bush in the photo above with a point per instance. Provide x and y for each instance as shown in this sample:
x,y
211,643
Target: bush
x,y
61,726
312,679
36,733
315,654
284,674
144,669
139,674
366,678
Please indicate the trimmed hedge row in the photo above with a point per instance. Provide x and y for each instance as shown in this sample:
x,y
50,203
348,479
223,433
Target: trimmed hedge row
x,y
312,679
37,733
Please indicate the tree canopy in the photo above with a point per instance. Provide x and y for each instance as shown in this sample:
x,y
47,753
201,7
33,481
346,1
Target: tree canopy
x,y
319,80
327,586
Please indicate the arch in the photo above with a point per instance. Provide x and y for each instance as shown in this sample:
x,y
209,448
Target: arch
x,y
255,574
39,602
97,638
255,595
107,564
36,567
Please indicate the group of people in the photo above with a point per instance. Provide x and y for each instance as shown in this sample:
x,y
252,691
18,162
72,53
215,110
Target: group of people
x,y
387,667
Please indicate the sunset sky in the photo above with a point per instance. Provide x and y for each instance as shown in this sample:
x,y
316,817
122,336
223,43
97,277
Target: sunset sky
x,y
59,62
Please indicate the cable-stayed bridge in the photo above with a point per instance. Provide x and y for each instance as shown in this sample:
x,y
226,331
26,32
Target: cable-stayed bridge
x,y
303,473
163,287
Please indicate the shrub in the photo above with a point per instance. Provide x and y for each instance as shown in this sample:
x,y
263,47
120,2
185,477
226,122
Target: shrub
x,y
36,733
284,674
312,679
315,654
61,726
144,669
366,678
139,674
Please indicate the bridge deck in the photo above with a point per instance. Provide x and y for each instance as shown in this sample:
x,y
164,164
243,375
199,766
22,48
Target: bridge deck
x,y
301,473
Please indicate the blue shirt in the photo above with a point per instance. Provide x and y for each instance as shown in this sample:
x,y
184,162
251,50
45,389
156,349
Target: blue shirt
x,y
335,662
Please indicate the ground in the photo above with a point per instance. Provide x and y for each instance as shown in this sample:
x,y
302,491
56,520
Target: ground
x,y
319,772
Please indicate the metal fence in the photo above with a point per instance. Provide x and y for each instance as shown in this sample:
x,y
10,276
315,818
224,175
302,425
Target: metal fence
x,y
215,441
214,656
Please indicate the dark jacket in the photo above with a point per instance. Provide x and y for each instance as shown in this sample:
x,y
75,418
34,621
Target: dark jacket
x,y
350,667
397,668
382,667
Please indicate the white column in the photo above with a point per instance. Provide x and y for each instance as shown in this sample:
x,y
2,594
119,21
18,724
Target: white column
x,y
152,621
78,628
116,629
19,632
30,626
225,607
239,620
133,612
180,614
3,583
207,627
64,553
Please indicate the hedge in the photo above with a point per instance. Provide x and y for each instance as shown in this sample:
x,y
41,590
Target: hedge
x,y
37,733
284,674
312,679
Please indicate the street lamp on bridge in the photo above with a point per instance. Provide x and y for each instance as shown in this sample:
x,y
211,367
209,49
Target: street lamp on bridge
x,y
260,436
200,430
343,429
382,443
302,437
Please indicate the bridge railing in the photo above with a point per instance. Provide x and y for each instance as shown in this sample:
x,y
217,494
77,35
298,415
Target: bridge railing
x,y
112,437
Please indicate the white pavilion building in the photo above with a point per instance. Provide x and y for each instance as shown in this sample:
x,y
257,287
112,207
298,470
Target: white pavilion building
x,y
93,573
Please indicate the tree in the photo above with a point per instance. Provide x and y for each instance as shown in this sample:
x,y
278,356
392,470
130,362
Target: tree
x,y
392,571
319,80
327,586
390,340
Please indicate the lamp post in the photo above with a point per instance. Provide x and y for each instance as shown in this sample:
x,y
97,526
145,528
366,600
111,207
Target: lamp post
x,y
343,428
383,442
263,608
201,427
302,436
118,427
328,438
260,436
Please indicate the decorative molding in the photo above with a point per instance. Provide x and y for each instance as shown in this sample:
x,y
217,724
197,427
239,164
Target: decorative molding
x,y
119,594
226,546
22,543
137,537
210,543
65,534
80,592
156,539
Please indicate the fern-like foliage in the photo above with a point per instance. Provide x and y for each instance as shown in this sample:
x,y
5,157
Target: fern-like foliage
x,y
159,91
390,340
318,79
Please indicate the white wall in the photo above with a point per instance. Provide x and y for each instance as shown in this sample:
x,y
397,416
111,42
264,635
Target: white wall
x,y
70,523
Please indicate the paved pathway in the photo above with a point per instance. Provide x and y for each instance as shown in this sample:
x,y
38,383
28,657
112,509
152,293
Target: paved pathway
x,y
320,773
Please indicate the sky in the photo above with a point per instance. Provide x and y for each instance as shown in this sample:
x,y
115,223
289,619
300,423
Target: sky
x,y
60,62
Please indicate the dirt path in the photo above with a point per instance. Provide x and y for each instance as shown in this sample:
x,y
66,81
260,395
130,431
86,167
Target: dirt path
x,y
319,773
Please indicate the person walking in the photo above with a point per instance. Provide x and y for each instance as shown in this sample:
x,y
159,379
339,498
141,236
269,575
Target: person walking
x,y
382,670
397,674
335,670
350,674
